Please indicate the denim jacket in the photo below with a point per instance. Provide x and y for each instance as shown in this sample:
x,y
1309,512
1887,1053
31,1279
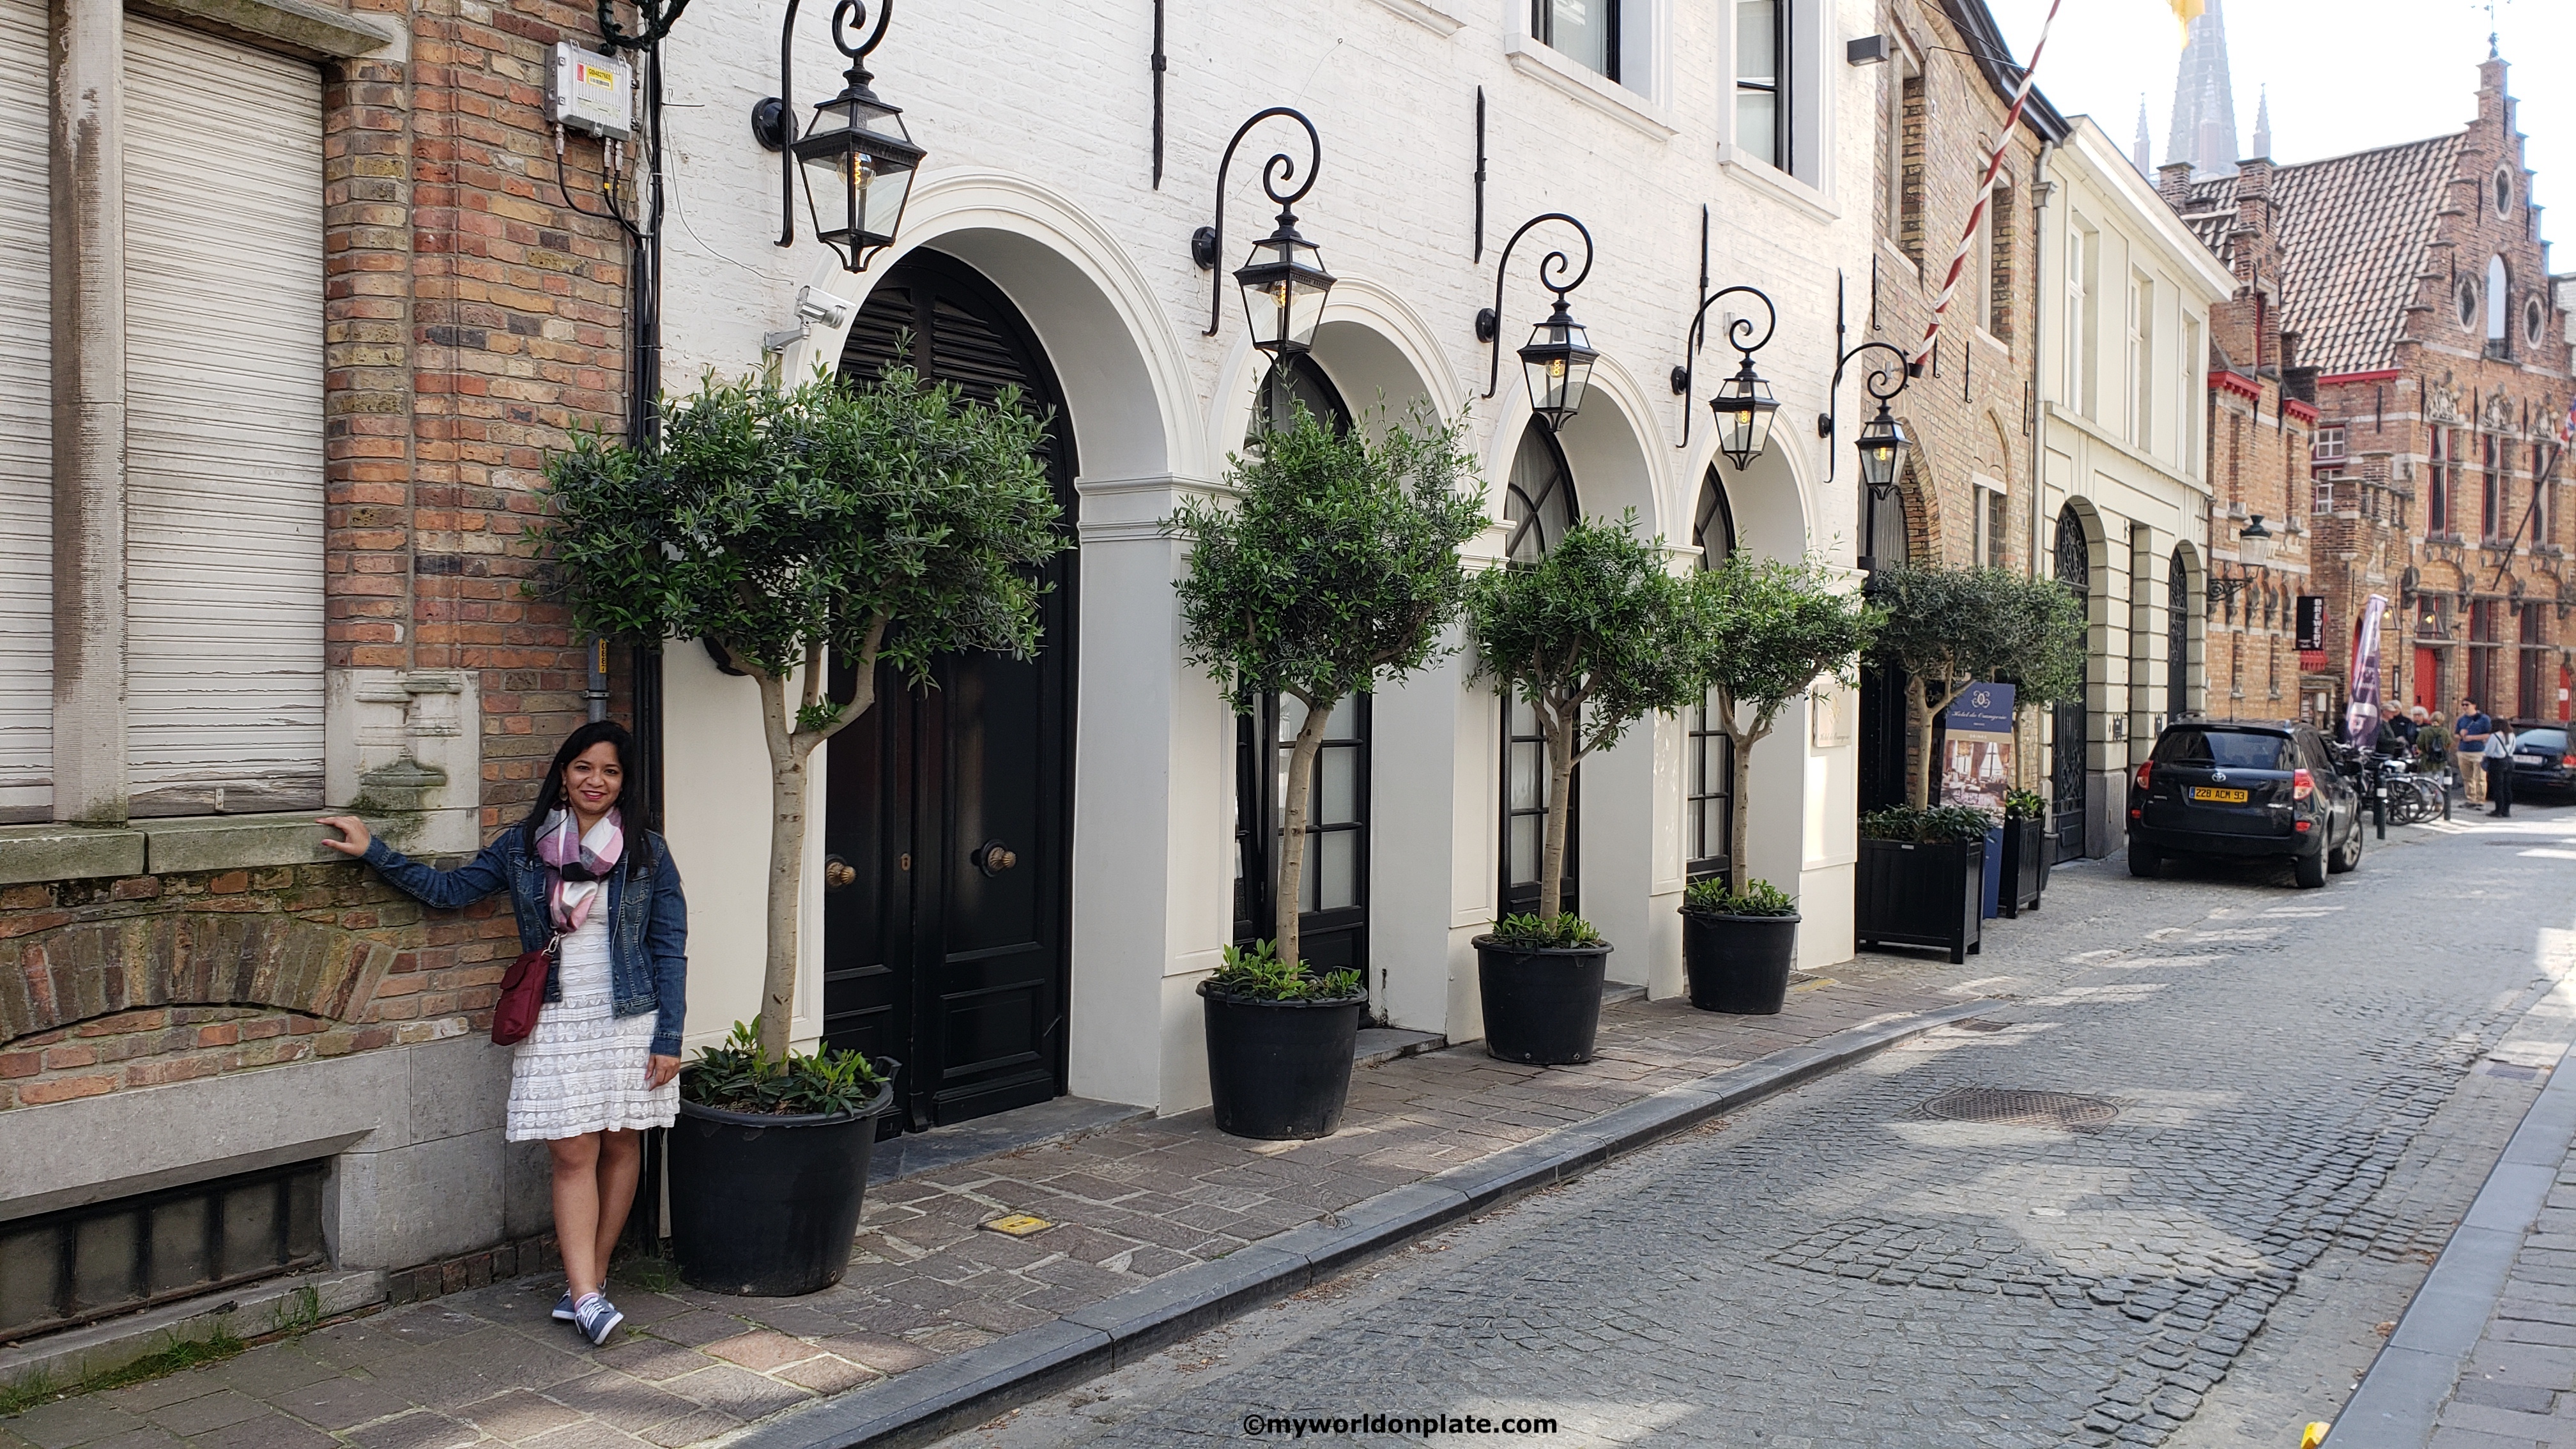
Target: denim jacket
x,y
648,920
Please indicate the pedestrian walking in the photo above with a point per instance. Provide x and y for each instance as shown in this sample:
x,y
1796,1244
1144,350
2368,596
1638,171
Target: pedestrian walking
x,y
2471,730
593,886
2499,766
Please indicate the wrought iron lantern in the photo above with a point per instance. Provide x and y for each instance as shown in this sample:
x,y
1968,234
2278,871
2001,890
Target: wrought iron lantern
x,y
1557,360
1743,404
858,158
2254,543
1283,281
1882,443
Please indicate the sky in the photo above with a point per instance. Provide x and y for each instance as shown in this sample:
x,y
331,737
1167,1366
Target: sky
x,y
2344,75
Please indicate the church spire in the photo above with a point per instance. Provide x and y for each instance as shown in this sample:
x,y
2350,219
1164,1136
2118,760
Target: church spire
x,y
2142,154
2263,123
2204,111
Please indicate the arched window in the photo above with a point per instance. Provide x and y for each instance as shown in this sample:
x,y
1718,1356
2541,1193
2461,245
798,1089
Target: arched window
x,y
1709,806
2178,598
1538,506
1538,501
2498,290
2068,781
1332,909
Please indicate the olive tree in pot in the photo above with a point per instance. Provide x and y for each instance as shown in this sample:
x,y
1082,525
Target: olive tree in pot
x,y
1593,636
1332,569
1768,630
798,529
1951,628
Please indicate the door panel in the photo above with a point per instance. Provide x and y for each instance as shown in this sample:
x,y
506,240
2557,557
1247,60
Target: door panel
x,y
950,806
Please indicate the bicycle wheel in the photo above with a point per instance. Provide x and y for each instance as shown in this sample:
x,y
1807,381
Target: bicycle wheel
x,y
2423,801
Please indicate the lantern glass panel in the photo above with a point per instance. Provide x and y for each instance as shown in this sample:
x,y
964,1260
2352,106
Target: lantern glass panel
x,y
1881,446
1557,362
1744,408
859,164
2254,545
1284,287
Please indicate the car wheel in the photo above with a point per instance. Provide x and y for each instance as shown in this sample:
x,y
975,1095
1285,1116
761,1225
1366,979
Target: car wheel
x,y
2144,860
2348,858
2309,870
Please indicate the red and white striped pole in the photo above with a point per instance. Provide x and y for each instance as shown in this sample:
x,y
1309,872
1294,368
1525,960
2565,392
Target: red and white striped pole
x,y
1985,193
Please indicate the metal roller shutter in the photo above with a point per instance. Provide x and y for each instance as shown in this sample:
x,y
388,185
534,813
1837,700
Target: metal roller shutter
x,y
26,424
223,256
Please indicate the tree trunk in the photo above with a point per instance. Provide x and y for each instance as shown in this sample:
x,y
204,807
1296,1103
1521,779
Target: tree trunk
x,y
1739,828
786,865
1284,900
1560,791
1918,724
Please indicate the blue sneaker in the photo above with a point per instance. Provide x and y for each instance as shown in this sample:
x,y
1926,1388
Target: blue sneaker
x,y
563,1307
597,1318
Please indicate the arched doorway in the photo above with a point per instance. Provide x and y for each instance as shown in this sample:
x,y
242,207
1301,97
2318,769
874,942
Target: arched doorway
x,y
2177,637
1538,506
1882,686
1709,808
948,811
1332,913
2068,778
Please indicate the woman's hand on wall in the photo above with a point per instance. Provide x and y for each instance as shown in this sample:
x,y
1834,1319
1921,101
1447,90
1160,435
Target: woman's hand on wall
x,y
658,1070
354,838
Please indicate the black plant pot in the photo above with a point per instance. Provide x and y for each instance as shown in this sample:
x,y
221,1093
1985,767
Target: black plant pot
x,y
768,1206
1738,964
1916,894
1279,1070
1542,1007
2025,866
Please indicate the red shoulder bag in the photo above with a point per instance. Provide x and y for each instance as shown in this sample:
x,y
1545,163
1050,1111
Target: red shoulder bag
x,y
523,993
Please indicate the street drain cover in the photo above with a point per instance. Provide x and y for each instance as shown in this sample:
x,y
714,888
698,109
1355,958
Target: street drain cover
x,y
2066,1111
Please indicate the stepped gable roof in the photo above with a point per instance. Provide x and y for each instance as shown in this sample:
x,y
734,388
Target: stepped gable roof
x,y
2354,233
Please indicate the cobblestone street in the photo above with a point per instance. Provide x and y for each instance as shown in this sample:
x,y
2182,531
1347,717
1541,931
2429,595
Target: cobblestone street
x,y
2174,1189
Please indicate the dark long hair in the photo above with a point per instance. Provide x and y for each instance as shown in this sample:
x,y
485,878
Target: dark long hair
x,y
634,806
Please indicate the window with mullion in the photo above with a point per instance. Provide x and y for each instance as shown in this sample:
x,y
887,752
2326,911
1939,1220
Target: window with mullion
x,y
1762,80
2437,507
1583,31
2491,497
1710,804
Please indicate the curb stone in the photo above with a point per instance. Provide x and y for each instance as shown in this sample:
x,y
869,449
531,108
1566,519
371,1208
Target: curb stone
x,y
2414,1375
970,1387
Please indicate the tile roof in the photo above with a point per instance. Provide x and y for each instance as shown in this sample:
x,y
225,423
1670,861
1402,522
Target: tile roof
x,y
2354,232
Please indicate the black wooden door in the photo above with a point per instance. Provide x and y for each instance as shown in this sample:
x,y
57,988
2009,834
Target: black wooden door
x,y
948,820
2068,779
1538,506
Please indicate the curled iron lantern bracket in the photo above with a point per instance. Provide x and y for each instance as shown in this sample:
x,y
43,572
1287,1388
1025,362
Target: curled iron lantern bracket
x,y
1878,381
1489,321
773,120
1685,374
1207,244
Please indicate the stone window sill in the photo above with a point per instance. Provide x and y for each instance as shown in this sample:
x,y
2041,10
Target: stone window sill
x,y
1431,17
1540,63
30,854
1747,167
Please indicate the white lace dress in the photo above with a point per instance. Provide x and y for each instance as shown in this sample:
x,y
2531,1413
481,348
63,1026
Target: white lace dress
x,y
582,1069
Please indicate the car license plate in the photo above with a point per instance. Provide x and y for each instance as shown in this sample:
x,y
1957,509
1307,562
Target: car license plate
x,y
2222,796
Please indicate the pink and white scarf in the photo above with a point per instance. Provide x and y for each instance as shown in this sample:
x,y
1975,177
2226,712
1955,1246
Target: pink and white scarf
x,y
578,863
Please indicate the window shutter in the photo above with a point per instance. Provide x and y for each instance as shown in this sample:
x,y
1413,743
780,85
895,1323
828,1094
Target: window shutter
x,y
26,423
223,255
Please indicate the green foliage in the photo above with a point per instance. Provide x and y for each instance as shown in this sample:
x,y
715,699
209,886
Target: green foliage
x,y
1262,976
2024,805
1597,633
1563,931
740,1076
1952,627
22,1394
1759,898
1336,565
1930,826
782,521
1770,628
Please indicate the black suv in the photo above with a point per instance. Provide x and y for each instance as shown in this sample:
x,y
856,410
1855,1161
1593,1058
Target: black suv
x,y
2245,788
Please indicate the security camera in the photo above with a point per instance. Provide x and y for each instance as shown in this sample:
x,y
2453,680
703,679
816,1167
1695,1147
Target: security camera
x,y
822,307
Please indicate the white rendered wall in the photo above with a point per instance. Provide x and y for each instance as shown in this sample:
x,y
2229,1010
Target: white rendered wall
x,y
1037,122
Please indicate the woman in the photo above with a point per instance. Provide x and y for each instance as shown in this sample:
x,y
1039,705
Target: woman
x,y
2499,766
604,1060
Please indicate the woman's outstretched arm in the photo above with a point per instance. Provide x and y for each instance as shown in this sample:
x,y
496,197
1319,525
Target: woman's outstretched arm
x,y
446,890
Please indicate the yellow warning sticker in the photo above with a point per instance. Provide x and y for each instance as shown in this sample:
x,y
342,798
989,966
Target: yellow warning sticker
x,y
1019,1225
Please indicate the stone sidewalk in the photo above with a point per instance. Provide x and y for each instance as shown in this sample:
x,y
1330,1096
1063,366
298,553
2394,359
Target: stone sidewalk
x,y
1129,1205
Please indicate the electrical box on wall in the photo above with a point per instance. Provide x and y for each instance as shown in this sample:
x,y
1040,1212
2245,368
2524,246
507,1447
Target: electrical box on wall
x,y
592,92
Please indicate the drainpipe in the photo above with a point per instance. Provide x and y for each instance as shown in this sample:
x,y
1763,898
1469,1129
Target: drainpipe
x,y
2041,189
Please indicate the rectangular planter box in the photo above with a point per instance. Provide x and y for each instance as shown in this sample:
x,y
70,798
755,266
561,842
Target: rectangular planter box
x,y
1922,895
2027,847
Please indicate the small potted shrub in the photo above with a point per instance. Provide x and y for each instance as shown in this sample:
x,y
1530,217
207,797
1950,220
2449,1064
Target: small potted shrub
x,y
1769,630
2025,854
1280,1041
1333,568
769,1175
1738,946
805,531
1923,877
1595,635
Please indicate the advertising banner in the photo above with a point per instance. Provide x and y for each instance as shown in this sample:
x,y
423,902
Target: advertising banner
x,y
2312,631
2361,714
1977,747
